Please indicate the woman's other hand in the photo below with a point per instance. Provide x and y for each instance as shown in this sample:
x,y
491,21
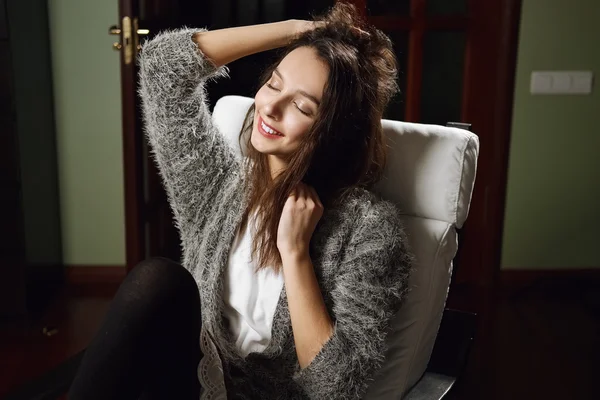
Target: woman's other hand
x,y
301,213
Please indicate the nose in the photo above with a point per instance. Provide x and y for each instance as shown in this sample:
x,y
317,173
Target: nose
x,y
273,109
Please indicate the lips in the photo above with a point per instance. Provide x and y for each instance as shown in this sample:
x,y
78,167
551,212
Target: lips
x,y
268,130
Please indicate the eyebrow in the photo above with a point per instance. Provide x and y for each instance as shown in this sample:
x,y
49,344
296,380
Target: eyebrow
x,y
302,92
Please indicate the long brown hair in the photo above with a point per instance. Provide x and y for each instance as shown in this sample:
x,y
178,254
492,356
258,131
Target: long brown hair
x,y
345,146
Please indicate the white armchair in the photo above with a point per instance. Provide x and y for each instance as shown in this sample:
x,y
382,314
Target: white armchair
x,y
430,176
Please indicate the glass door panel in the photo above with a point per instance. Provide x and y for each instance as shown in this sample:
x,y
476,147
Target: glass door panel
x,y
447,7
388,7
442,79
396,108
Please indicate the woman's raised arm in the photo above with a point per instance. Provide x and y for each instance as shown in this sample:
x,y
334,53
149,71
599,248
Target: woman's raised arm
x,y
223,46
193,158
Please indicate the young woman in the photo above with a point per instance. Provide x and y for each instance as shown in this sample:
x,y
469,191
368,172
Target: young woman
x,y
292,268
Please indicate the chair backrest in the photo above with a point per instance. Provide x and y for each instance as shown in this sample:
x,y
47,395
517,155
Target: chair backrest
x,y
430,176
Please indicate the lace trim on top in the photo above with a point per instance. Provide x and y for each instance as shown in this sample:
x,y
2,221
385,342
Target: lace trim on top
x,y
210,370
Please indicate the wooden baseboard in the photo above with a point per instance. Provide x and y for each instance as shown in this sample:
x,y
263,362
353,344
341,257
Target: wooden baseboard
x,y
514,278
96,274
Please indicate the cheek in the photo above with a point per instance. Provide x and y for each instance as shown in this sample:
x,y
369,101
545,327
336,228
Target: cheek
x,y
259,98
297,128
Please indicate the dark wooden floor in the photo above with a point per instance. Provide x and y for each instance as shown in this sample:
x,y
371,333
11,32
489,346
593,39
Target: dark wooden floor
x,y
547,342
26,352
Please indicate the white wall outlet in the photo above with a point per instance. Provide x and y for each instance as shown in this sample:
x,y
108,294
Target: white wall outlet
x,y
561,82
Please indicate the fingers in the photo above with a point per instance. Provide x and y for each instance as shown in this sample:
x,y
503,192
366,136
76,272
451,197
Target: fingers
x,y
306,193
360,31
302,26
301,191
315,196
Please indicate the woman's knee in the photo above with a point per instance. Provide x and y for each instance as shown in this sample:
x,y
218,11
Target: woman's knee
x,y
157,265
164,275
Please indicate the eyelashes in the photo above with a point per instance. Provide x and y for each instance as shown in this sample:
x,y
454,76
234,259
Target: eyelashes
x,y
298,108
295,104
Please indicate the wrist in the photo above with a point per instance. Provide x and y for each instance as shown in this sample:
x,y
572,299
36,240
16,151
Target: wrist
x,y
294,254
283,32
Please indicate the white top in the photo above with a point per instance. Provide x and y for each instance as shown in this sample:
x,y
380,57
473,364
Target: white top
x,y
250,302
251,297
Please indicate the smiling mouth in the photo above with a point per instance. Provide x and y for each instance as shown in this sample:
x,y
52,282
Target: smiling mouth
x,y
267,129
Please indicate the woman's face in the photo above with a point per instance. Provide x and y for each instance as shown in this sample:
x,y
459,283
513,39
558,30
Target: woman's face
x,y
286,106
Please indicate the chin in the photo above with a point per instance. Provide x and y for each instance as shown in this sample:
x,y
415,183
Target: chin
x,y
258,142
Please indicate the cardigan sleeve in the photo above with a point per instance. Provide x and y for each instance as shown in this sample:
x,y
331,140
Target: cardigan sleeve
x,y
193,157
370,286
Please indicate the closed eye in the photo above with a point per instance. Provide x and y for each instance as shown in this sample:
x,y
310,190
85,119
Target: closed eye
x,y
295,104
299,109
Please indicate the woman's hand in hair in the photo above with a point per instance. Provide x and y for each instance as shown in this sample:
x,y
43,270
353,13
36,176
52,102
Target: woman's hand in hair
x,y
304,26
301,213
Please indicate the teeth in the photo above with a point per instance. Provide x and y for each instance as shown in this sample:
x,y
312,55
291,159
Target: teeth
x,y
269,130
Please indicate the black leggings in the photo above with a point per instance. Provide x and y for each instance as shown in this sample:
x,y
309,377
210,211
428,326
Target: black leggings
x,y
148,346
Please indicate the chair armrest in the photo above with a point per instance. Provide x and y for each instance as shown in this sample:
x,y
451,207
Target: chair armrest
x,y
448,357
431,386
452,343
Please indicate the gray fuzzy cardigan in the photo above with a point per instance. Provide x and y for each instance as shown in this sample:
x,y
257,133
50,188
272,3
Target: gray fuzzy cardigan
x,y
358,248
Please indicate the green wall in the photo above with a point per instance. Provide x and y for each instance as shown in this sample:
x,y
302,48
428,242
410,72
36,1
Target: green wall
x,y
88,128
553,194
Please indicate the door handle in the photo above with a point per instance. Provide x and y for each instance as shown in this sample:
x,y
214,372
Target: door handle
x,y
115,30
128,41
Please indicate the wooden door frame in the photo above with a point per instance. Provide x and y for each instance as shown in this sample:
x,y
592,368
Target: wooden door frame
x,y
133,140
496,44
476,289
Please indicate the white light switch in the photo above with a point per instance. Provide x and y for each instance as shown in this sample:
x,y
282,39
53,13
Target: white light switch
x,y
582,82
541,83
561,82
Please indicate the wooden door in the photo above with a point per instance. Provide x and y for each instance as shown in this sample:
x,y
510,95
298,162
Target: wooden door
x,y
457,60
